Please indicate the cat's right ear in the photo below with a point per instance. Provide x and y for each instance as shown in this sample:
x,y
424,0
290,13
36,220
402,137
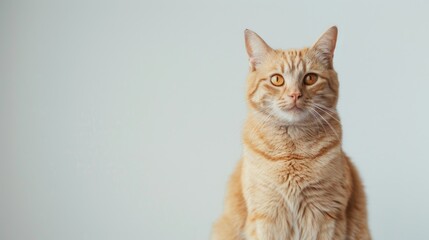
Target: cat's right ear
x,y
256,47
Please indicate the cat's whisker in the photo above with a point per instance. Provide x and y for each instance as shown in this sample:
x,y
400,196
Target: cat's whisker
x,y
317,120
329,114
324,107
332,128
311,110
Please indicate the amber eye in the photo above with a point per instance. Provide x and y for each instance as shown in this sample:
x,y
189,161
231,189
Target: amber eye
x,y
277,80
310,79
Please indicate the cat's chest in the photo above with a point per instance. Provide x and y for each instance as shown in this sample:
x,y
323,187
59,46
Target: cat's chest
x,y
292,173
276,197
281,182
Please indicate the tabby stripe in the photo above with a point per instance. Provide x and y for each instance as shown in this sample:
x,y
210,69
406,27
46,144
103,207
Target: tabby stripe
x,y
260,135
252,93
291,156
255,149
287,62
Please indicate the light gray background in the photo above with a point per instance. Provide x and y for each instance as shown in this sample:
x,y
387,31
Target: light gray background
x,y
122,120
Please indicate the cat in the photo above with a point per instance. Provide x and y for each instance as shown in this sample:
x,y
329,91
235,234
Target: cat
x,y
293,181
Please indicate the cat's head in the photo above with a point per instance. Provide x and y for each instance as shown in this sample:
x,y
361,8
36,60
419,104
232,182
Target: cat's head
x,y
292,86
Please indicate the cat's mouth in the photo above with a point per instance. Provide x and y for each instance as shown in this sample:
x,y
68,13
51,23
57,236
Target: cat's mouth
x,y
292,108
292,113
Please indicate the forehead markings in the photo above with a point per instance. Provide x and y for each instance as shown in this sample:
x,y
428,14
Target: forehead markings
x,y
285,58
292,58
295,61
301,65
282,67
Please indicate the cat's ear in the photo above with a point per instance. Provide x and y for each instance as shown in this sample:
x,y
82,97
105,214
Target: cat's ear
x,y
256,47
325,46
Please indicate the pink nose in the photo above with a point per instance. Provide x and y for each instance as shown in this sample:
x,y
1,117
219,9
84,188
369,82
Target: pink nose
x,y
295,96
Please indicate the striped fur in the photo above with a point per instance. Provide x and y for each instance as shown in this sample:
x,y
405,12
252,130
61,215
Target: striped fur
x,y
294,181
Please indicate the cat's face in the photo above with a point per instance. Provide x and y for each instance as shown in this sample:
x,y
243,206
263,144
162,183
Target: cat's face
x,y
294,87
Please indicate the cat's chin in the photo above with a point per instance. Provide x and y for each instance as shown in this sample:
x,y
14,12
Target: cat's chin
x,y
292,116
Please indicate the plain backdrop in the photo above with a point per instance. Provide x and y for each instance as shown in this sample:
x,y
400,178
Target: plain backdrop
x,y
122,120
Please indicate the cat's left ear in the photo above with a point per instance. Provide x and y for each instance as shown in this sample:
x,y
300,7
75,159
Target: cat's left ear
x,y
325,46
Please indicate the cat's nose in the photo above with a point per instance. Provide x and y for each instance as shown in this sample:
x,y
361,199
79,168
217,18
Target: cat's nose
x,y
295,95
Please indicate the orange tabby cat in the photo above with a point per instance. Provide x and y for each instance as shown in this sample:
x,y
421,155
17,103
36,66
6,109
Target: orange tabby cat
x,y
294,181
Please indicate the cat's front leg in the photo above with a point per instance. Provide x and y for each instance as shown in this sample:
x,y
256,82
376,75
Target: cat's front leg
x,y
263,227
328,231
258,230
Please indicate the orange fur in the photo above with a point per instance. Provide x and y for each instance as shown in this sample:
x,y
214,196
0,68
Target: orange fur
x,y
294,181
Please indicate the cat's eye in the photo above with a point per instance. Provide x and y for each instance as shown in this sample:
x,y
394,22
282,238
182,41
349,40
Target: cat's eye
x,y
277,80
310,79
